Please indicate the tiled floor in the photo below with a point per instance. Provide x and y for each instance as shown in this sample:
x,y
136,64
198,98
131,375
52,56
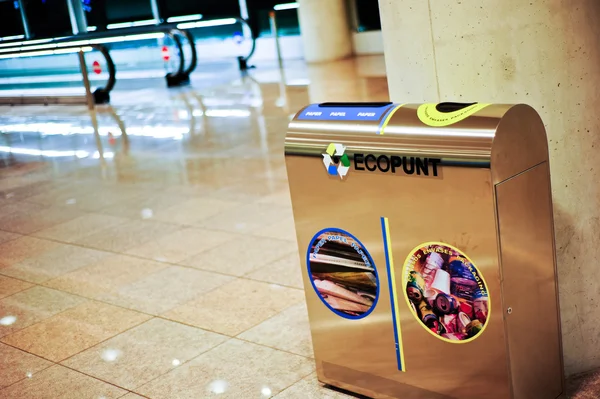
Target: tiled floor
x,y
156,257
159,261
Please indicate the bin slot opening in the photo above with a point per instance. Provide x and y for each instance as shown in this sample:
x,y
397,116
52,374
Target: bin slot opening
x,y
362,105
452,107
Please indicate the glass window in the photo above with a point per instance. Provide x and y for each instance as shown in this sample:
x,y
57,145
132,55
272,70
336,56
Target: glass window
x,y
48,18
287,20
11,19
210,9
367,15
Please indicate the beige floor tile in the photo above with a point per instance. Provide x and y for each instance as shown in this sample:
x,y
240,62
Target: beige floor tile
x,y
9,286
288,331
257,183
74,330
235,369
241,255
194,210
32,221
19,208
54,263
247,218
106,276
127,235
280,198
60,194
159,292
60,382
80,227
236,306
180,245
6,236
27,307
138,208
132,396
145,352
15,251
96,198
285,271
16,365
310,387
283,229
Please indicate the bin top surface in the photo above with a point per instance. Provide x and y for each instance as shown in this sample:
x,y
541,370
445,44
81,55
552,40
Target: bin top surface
x,y
506,138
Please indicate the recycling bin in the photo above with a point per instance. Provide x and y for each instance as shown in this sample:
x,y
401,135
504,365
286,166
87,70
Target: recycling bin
x,y
427,249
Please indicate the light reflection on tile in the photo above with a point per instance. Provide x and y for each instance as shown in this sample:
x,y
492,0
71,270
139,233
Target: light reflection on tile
x,y
214,374
214,201
17,365
33,305
74,330
147,351
237,306
60,382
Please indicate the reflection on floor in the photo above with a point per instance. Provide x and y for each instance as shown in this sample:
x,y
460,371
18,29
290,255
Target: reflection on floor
x,y
149,250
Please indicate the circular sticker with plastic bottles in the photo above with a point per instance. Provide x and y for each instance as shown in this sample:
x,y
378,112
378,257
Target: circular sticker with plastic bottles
x,y
446,292
342,273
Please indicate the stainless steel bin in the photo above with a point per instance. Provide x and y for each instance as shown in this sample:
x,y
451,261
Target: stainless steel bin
x,y
427,246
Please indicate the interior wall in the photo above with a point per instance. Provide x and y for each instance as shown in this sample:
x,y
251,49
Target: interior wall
x,y
545,53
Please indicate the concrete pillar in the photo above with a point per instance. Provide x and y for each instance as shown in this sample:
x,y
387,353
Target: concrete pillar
x,y
545,53
325,30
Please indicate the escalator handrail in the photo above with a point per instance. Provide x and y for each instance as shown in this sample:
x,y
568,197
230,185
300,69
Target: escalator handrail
x,y
112,70
193,51
172,33
162,28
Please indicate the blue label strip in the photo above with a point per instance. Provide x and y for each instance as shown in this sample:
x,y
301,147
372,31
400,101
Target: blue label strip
x,y
318,113
387,245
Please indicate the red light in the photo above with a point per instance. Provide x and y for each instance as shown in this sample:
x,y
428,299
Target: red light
x,y
165,53
96,67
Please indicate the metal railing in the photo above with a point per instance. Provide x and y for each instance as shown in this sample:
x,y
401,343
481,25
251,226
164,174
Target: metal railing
x,y
177,32
75,44
100,96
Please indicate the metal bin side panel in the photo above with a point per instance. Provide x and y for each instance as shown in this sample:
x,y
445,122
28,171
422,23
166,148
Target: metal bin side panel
x,y
456,207
529,286
520,143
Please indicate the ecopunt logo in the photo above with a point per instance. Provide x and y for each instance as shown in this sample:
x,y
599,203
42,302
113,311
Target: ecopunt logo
x,y
336,161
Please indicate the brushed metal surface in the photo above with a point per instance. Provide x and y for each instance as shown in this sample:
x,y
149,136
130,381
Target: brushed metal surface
x,y
457,207
419,210
529,287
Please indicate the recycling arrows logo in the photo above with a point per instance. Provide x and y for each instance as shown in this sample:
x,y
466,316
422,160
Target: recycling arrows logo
x,y
343,165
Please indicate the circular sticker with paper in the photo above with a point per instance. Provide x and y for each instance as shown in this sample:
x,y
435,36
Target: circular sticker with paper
x,y
342,273
446,292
